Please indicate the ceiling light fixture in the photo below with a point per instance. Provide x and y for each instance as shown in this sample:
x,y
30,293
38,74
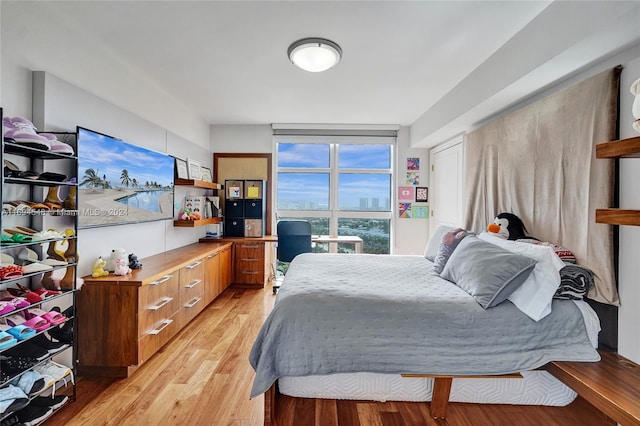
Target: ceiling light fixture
x,y
314,54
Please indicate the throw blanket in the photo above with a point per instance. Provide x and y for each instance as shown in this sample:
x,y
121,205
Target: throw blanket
x,y
575,282
339,313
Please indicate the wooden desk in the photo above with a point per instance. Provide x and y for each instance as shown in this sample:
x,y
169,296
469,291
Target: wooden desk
x,y
356,241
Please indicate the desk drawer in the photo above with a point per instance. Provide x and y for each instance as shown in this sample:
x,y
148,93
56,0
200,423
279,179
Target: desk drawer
x,y
162,309
157,336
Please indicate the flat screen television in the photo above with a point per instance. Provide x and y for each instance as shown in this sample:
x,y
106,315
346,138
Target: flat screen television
x,y
120,182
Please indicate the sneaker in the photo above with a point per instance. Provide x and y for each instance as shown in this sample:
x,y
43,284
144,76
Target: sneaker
x,y
24,133
31,415
30,382
12,398
52,371
47,344
53,402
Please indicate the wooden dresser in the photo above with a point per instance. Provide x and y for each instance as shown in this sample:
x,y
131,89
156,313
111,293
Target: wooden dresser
x,y
124,320
252,259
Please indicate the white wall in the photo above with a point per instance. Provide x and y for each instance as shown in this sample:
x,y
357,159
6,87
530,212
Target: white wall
x,y
410,235
629,267
60,106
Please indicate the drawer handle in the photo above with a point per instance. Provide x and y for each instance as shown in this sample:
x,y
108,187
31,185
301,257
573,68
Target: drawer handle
x,y
250,246
250,272
192,284
193,265
165,300
163,324
193,303
161,280
249,259
211,256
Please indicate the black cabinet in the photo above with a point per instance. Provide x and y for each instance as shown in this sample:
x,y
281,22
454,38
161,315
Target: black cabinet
x,y
245,208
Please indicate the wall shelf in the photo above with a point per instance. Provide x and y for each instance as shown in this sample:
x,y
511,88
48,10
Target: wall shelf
x,y
194,223
624,148
197,183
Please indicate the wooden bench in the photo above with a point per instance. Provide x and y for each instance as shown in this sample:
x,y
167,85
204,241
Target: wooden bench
x,y
612,385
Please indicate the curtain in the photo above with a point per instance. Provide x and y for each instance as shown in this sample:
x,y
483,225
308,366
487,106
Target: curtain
x,y
539,163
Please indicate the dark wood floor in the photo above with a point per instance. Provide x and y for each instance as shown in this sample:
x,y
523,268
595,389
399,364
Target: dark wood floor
x,y
203,377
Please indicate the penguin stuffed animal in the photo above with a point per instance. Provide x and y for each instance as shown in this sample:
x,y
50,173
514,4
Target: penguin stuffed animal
x,y
508,226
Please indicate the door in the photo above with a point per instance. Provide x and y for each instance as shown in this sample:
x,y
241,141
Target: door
x,y
446,178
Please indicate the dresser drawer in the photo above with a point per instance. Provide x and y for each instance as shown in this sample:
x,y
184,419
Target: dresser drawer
x,y
191,281
163,308
151,293
157,336
191,308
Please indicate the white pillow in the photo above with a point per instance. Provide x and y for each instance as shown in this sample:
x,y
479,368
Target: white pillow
x,y
535,295
433,245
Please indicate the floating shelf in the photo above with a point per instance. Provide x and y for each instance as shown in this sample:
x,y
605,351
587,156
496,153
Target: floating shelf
x,y
197,183
194,223
624,148
618,217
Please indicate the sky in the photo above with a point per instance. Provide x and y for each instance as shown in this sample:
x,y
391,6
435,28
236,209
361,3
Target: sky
x,y
110,156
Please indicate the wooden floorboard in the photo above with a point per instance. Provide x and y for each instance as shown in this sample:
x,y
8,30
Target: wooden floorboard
x,y
203,377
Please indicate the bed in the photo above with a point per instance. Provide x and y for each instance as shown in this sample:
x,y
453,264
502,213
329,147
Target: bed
x,y
343,323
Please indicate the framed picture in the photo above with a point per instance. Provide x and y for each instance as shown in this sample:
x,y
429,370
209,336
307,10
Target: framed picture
x,y
181,169
206,174
195,171
413,178
420,212
413,163
422,194
404,210
405,193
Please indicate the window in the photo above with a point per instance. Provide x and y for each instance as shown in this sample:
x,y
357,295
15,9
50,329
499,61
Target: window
x,y
341,185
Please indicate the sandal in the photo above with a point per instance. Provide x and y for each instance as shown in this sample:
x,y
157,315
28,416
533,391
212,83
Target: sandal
x,y
6,340
10,271
36,322
17,301
20,332
6,307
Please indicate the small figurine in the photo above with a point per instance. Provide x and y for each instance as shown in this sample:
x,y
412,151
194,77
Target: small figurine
x,y
98,268
122,268
134,263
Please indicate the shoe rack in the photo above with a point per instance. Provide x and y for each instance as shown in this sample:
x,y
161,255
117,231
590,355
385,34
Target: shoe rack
x,y
39,235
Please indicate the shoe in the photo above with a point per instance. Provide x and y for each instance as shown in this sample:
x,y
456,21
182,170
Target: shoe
x,y
24,133
16,365
12,398
54,373
53,402
28,349
56,145
20,332
31,415
47,344
30,382
11,420
6,340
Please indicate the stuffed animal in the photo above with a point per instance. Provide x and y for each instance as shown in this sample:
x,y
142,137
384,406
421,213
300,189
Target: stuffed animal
x,y
134,263
635,109
122,267
508,226
98,268
115,254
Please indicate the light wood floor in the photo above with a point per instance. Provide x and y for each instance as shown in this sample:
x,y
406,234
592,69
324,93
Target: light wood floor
x,y
203,377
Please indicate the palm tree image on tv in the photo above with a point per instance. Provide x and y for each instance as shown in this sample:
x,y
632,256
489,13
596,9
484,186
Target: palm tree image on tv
x,y
121,183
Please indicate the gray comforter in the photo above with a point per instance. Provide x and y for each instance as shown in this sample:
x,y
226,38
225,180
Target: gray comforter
x,y
339,313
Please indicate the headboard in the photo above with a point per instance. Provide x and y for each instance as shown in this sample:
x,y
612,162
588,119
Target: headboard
x,y
539,163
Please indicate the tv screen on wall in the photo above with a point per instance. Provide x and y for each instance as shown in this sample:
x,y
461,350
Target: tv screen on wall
x,y
120,182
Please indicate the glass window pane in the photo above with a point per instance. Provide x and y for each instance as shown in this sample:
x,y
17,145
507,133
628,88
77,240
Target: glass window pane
x,y
303,191
364,192
303,155
374,234
364,156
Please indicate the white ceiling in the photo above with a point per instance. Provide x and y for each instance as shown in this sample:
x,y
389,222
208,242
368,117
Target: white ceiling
x,y
426,64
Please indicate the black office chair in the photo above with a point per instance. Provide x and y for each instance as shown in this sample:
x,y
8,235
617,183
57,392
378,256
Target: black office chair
x,y
294,238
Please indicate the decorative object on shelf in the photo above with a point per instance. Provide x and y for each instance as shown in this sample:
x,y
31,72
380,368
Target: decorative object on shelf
x,y
134,263
182,172
117,253
98,268
206,174
195,169
635,109
122,266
